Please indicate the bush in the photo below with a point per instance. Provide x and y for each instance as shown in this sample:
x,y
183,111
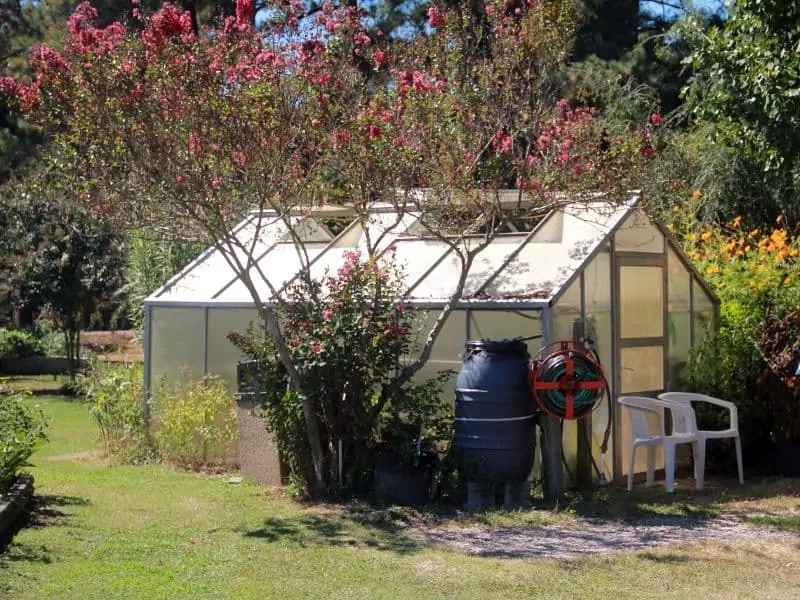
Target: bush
x,y
114,393
16,343
195,424
747,361
21,428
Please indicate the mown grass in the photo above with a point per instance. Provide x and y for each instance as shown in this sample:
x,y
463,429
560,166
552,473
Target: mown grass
x,y
148,532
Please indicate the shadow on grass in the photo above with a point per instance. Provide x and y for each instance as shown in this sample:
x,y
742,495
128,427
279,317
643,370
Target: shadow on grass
x,y
43,511
355,526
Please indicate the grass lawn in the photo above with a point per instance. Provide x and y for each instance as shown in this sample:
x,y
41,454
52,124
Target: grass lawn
x,y
149,532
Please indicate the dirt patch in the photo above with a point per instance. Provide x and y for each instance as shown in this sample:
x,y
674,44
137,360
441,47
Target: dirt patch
x,y
583,537
113,346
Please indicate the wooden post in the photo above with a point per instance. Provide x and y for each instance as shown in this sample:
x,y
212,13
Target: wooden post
x,y
551,457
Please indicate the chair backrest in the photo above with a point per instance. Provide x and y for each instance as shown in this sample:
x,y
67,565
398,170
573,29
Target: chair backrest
x,y
638,409
684,420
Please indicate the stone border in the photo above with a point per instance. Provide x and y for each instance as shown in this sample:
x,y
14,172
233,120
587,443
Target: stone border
x,y
14,502
37,365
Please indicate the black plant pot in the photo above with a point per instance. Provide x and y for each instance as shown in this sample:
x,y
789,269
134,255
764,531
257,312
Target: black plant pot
x,y
787,458
403,485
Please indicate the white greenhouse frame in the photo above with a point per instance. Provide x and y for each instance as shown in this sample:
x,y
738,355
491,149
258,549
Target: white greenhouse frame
x,y
610,266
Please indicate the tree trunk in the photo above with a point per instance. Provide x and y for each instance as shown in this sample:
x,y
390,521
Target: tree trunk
x,y
319,481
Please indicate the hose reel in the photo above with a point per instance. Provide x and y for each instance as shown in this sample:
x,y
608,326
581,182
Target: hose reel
x,y
567,380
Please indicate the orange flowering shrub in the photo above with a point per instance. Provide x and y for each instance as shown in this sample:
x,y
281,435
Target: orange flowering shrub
x,y
755,274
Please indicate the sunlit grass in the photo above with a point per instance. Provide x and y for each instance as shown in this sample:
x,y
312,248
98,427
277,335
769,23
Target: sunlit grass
x,y
105,532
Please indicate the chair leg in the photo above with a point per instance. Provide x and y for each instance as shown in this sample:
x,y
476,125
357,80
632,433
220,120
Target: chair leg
x,y
699,448
630,468
651,465
739,458
669,467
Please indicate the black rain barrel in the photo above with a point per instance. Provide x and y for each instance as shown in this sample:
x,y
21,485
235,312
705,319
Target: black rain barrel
x,y
494,421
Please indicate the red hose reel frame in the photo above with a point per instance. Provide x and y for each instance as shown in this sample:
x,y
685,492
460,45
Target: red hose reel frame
x,y
568,383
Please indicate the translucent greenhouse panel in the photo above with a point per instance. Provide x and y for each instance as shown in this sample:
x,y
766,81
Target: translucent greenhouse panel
x,y
638,234
641,295
597,310
417,257
222,355
447,348
566,309
440,283
279,266
679,315
506,324
702,312
177,344
642,370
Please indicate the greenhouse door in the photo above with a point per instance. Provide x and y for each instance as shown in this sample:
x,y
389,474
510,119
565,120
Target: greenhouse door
x,y
641,342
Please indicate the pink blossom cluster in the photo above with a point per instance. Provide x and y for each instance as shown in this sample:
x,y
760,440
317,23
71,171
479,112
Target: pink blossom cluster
x,y
85,37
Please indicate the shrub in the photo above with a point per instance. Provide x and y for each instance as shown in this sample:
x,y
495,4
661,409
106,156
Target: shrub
x,y
16,343
21,427
195,423
754,274
114,393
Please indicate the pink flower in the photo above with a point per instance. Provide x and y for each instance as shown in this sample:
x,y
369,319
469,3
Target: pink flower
x,y
501,142
180,180
195,145
316,347
378,57
648,151
361,39
655,119
435,17
244,12
420,82
374,132
326,315
238,158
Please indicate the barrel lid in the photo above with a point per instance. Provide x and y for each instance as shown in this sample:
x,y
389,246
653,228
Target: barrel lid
x,y
513,346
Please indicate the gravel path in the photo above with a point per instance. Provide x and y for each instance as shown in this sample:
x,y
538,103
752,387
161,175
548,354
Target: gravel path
x,y
590,536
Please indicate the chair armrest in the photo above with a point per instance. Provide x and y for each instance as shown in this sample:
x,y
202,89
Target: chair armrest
x,y
733,411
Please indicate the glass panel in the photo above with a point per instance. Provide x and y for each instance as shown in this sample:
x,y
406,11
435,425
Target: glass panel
x,y
642,369
506,324
638,234
597,295
177,344
679,314
703,312
641,296
565,311
222,355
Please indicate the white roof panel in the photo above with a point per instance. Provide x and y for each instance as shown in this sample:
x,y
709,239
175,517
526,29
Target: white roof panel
x,y
512,268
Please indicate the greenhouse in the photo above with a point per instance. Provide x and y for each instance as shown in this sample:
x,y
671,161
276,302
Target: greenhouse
x,y
610,267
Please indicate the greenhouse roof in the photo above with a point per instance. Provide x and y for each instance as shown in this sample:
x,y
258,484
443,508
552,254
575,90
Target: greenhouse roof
x,y
514,269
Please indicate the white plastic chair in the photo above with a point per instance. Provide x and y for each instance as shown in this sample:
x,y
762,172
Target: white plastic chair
x,y
638,407
711,434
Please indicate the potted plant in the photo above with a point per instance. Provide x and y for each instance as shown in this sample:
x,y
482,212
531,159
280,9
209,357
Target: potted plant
x,y
415,424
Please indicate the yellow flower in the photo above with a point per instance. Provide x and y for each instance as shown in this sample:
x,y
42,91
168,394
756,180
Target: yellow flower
x,y
739,253
787,281
671,227
747,248
713,270
721,284
696,256
676,208
736,222
779,219
705,235
696,194
754,232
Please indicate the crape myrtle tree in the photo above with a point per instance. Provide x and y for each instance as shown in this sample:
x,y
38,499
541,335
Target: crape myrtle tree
x,y
185,133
